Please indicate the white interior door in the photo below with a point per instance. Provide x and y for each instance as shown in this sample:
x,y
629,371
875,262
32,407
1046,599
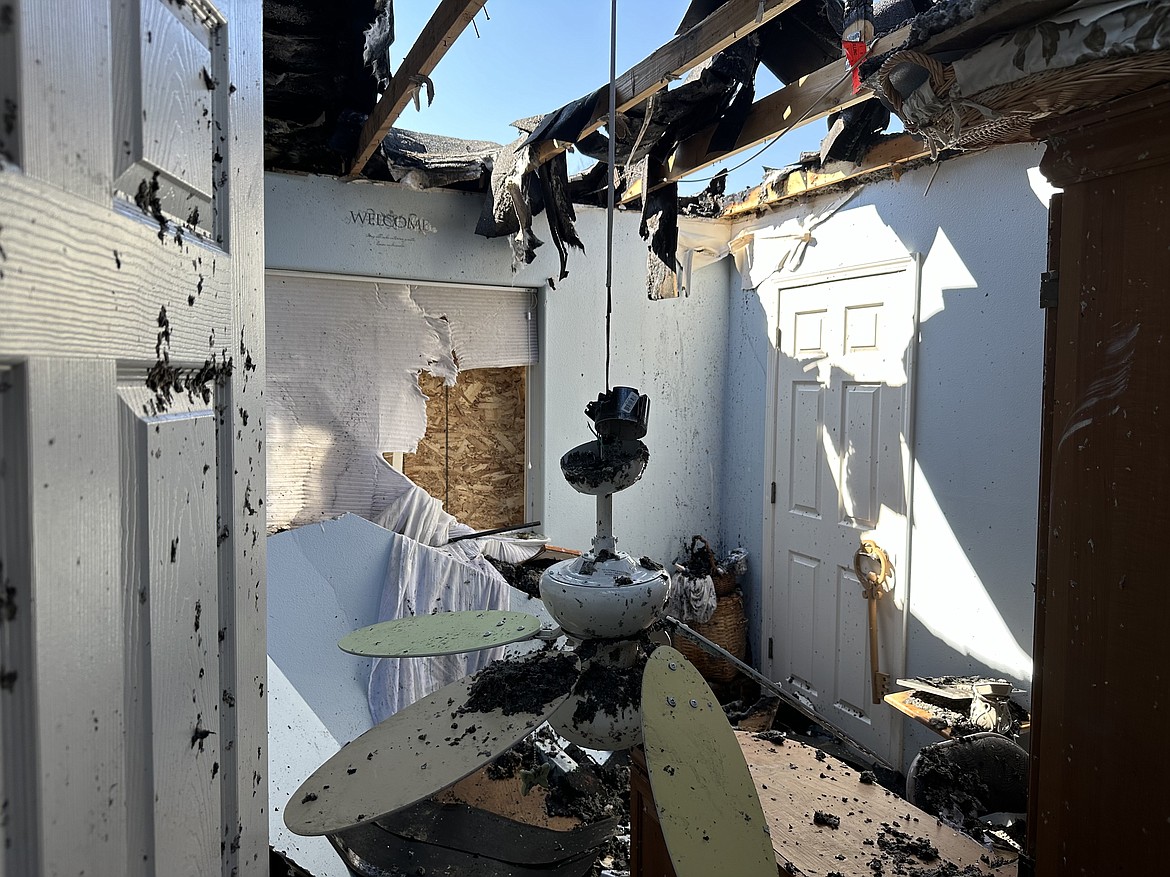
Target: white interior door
x,y
132,717
841,409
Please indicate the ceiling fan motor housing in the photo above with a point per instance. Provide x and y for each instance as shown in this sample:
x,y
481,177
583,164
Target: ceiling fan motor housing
x,y
607,596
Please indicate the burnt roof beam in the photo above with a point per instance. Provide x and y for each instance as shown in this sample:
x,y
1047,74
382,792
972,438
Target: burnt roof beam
x,y
728,24
449,20
812,97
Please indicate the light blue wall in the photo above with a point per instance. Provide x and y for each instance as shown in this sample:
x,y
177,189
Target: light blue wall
x,y
981,230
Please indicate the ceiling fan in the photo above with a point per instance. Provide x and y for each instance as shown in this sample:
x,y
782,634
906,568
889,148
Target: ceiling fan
x,y
617,687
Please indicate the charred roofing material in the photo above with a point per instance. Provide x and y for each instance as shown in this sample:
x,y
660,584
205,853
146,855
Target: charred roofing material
x,y
854,130
707,93
945,15
660,225
808,36
707,203
589,186
558,208
379,36
514,197
427,161
313,78
569,121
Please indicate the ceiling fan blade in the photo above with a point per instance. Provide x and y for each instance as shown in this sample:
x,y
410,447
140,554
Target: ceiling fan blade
x,y
432,743
444,633
707,804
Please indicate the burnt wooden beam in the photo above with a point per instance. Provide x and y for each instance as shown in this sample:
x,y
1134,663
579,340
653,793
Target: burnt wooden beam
x,y
812,97
828,90
449,20
1001,19
728,24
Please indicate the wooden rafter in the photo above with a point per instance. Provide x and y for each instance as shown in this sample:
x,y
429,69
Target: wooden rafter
x,y
827,90
814,96
889,154
728,24
449,20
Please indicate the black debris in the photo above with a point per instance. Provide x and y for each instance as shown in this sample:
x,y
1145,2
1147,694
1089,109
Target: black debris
x,y
524,686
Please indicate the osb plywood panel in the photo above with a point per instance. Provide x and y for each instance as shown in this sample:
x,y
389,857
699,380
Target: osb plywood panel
x,y
472,456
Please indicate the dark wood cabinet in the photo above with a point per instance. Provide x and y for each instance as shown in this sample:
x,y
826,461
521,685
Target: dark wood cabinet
x,y
1100,801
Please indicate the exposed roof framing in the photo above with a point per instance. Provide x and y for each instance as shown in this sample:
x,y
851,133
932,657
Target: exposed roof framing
x,y
892,153
819,94
728,24
450,20
828,90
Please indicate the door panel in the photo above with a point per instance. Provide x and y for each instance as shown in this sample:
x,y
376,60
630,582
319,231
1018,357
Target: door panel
x,y
171,598
132,633
805,458
841,413
168,63
804,574
858,496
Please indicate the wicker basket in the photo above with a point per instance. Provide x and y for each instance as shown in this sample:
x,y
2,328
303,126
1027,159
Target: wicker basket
x,y
724,582
1006,113
728,628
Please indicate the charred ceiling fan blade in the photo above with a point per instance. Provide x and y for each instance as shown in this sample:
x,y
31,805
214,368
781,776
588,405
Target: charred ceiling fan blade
x,y
431,744
707,803
444,633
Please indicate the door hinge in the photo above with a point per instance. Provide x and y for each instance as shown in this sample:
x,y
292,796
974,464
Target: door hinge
x,y
1049,289
769,647
773,493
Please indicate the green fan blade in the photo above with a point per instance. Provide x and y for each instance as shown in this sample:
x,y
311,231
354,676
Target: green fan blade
x,y
444,633
424,748
707,803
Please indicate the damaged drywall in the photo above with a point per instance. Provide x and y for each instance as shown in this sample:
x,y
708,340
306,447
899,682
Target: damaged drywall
x,y
344,357
343,379
675,351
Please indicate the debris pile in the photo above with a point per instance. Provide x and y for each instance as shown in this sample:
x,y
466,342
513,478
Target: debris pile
x,y
587,791
608,689
523,576
944,716
521,686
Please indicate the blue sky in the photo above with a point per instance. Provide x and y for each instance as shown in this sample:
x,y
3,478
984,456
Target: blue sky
x,y
533,56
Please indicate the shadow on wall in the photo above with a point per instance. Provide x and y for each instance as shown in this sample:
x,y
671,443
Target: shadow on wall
x,y
977,392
